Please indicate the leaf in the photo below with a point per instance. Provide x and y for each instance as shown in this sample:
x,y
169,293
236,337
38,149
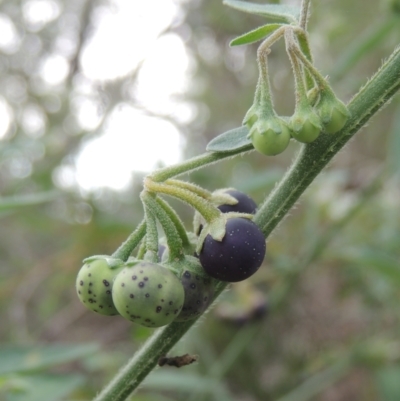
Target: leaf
x,y
274,11
235,139
41,387
25,359
14,202
255,35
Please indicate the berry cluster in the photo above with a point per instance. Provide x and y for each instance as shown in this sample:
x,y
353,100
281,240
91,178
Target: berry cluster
x,y
175,279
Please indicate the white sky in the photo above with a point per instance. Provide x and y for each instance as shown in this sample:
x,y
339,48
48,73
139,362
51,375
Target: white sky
x,y
132,141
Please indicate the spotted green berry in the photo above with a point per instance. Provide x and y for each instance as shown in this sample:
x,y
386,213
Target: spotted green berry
x,y
94,284
148,294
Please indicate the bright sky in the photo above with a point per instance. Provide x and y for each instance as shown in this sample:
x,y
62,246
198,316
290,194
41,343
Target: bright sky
x,y
131,140
126,34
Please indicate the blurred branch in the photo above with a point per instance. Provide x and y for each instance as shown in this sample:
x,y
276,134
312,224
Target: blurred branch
x,y
87,9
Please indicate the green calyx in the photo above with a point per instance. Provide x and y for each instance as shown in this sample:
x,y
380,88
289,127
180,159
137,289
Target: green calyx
x,y
217,228
112,263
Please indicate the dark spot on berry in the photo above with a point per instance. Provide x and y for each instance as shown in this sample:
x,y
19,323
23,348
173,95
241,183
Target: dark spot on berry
x,y
141,271
89,292
90,300
131,296
79,292
186,274
106,283
95,310
175,311
159,286
162,300
81,282
101,306
193,286
158,309
145,278
170,302
147,320
90,275
134,277
123,285
147,295
90,284
108,292
141,284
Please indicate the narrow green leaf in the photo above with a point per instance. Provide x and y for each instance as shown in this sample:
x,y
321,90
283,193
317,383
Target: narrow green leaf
x,y
255,35
42,387
279,12
25,359
234,139
14,202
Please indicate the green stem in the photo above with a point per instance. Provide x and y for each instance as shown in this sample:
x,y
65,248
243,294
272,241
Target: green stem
x,y
203,206
300,89
125,250
305,5
174,241
151,233
191,187
146,358
191,165
313,157
176,221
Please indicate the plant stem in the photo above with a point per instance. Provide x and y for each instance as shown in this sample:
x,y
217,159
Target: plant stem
x,y
305,5
151,232
174,241
190,165
203,206
146,358
176,221
191,187
126,248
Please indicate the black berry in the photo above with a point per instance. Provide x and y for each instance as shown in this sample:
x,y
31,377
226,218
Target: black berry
x,y
245,203
239,254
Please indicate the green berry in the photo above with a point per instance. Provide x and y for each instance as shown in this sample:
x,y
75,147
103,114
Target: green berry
x,y
94,284
333,113
306,125
148,294
270,136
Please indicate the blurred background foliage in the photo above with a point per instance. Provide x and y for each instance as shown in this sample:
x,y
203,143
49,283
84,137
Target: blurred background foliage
x,y
320,321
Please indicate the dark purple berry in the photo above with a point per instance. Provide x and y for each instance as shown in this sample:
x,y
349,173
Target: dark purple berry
x,y
239,254
245,203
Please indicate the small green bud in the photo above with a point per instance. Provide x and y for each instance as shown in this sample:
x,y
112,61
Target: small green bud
x,y
270,136
333,113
